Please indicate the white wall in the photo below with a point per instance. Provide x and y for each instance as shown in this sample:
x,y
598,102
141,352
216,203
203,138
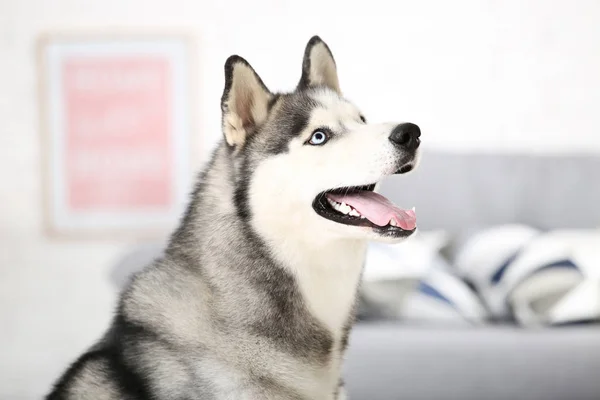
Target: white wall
x,y
483,75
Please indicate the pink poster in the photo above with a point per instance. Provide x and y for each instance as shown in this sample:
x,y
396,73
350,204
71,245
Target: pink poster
x,y
119,134
118,144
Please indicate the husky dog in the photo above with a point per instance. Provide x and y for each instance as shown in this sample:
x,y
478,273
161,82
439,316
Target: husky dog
x,y
254,296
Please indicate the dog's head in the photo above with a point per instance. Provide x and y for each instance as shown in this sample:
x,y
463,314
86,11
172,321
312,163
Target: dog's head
x,y
308,161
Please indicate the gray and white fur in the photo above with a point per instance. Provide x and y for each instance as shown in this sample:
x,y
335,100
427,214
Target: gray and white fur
x,y
254,296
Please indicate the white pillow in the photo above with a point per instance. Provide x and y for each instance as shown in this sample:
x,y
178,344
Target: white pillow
x,y
484,259
556,279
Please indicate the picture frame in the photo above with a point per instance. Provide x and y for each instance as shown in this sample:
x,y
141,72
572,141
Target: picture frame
x,y
117,121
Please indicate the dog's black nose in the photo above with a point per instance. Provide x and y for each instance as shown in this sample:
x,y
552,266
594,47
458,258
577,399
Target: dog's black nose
x,y
407,136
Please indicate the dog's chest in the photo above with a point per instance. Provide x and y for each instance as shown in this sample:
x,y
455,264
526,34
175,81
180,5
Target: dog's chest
x,y
328,282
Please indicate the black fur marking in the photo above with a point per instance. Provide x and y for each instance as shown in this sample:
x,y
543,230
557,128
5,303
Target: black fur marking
x,y
127,337
299,120
122,338
129,383
305,79
350,321
240,197
338,388
346,330
272,101
289,324
271,384
292,118
60,390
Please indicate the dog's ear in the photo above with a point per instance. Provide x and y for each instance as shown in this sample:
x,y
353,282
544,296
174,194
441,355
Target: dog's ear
x,y
318,66
245,101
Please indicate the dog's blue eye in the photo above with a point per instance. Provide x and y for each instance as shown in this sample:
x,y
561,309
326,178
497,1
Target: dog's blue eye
x,y
318,138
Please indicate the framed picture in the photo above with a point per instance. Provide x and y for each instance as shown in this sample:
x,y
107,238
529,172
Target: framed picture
x,y
117,129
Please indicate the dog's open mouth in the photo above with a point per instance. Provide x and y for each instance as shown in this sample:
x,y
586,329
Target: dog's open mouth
x,y
361,206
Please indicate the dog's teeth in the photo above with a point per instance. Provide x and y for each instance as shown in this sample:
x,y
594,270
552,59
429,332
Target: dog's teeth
x,y
362,217
393,222
354,213
345,208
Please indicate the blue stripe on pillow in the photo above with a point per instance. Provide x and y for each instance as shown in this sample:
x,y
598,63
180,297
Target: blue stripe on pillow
x,y
566,263
433,292
502,269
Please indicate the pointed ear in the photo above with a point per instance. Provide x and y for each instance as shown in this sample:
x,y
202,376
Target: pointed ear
x,y
318,66
245,101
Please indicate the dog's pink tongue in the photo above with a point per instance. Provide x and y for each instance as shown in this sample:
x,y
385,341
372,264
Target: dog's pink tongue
x,y
377,209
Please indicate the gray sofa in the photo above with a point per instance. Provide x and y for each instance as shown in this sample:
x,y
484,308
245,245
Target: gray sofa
x,y
462,194
388,361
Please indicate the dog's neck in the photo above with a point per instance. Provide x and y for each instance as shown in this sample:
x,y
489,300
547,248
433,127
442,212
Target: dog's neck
x,y
328,275
327,270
